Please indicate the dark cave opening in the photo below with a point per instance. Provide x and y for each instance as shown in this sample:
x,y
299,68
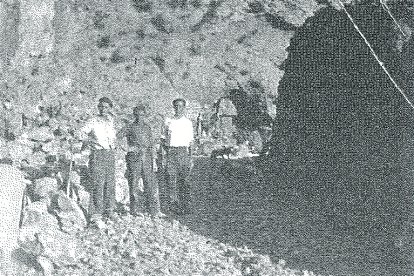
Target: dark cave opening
x,y
334,96
343,134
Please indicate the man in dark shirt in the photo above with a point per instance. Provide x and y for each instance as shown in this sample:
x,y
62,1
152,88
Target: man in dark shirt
x,y
141,164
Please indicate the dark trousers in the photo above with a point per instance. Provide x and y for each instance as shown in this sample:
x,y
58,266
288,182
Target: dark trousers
x,y
178,172
102,175
142,198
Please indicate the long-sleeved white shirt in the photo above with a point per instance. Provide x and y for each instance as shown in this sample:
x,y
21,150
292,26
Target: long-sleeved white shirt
x,y
101,131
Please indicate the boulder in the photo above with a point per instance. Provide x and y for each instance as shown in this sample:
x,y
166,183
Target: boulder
x,y
206,148
18,151
60,248
45,187
42,134
52,147
37,218
83,197
46,264
12,185
70,215
75,178
37,159
40,236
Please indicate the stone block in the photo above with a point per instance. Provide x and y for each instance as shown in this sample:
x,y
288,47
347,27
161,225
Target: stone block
x,y
42,134
45,187
71,216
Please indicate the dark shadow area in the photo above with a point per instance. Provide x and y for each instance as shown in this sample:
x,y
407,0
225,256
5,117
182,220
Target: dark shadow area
x,y
337,185
294,218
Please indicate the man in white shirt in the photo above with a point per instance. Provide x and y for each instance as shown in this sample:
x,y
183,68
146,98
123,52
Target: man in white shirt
x,y
177,139
100,135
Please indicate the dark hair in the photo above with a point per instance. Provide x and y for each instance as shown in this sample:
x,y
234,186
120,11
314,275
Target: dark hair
x,y
106,100
179,100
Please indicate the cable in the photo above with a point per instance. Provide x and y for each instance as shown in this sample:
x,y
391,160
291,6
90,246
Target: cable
x,y
375,55
385,6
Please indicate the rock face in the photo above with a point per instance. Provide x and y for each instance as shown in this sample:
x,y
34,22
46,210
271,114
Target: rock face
x,y
72,52
11,196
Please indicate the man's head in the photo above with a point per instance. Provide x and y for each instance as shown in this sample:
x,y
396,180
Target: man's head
x,y
179,107
139,111
104,106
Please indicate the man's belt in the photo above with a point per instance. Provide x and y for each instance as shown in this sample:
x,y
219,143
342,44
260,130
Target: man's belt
x,y
138,149
170,148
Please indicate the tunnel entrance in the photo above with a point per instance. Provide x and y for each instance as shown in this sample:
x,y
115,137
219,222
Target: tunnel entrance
x,y
334,96
342,127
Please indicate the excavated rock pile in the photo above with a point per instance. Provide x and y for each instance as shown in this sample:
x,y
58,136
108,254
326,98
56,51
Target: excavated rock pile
x,y
56,239
144,246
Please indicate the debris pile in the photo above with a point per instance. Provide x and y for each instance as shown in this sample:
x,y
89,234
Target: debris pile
x,y
143,246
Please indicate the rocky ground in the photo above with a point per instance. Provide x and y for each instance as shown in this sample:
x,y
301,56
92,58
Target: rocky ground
x,y
142,246
55,238
239,226
130,245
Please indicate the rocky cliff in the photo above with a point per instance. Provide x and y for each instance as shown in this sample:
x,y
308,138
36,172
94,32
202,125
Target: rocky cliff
x,y
142,50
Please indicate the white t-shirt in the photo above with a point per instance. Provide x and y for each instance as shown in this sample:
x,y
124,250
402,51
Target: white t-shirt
x,y
178,132
101,131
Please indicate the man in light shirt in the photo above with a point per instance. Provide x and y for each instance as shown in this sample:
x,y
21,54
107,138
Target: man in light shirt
x,y
100,135
141,163
177,139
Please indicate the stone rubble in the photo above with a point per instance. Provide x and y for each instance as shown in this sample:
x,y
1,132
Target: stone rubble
x,y
55,233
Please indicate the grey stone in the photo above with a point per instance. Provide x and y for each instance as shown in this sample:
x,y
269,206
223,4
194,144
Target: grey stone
x,y
83,197
37,159
46,264
43,134
52,147
45,187
60,248
71,216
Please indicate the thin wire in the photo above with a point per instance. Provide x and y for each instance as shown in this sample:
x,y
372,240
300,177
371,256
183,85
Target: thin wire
x,y
375,55
385,6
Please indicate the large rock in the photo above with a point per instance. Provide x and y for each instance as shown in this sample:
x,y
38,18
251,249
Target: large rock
x,y
35,220
71,216
45,187
83,197
12,186
52,147
37,217
18,150
42,134
37,159
40,236
59,247
51,244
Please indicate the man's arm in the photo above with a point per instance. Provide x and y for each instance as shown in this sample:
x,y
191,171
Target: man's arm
x,y
190,147
120,135
152,144
164,135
